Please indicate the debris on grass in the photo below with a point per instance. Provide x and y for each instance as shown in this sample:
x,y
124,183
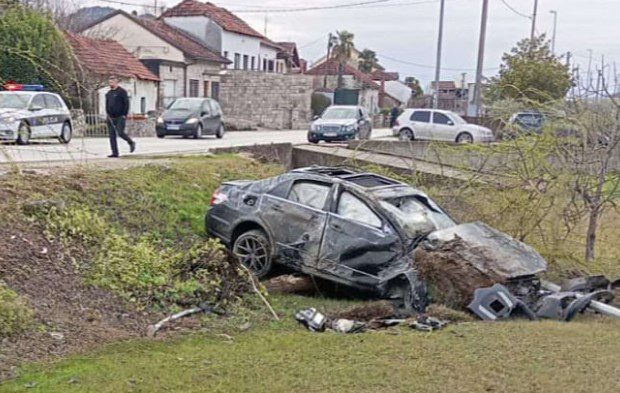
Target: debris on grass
x,y
291,284
369,311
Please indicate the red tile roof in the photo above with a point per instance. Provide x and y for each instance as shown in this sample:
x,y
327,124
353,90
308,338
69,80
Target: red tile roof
x,y
226,19
106,57
330,67
383,75
444,85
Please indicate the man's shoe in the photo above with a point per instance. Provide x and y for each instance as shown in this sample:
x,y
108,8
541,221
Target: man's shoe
x,y
132,147
113,156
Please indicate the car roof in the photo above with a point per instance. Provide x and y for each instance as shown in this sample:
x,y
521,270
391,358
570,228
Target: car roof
x,y
30,93
366,181
344,106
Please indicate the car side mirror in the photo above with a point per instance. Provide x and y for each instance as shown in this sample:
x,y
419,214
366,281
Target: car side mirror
x,y
450,123
203,114
316,117
35,108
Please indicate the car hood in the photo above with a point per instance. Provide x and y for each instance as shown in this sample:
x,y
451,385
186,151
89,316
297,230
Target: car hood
x,y
178,114
339,122
9,111
488,250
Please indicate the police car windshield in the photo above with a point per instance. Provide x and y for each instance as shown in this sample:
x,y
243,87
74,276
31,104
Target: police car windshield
x,y
14,100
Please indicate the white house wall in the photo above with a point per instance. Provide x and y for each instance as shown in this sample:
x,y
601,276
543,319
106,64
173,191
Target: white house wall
x,y
172,85
136,90
243,45
135,38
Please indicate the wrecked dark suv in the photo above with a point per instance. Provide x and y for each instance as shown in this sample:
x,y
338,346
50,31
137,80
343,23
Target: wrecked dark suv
x,y
355,228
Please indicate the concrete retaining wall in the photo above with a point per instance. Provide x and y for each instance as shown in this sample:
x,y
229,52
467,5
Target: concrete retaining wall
x,y
276,101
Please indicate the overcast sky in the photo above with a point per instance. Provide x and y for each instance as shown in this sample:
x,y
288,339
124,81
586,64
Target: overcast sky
x,y
405,31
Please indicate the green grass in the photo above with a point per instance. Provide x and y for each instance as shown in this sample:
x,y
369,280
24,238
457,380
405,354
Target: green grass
x,y
516,356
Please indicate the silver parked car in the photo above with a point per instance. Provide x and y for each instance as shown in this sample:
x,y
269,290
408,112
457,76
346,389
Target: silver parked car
x,y
440,125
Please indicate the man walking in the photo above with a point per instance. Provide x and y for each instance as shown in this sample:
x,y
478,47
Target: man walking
x,y
117,107
394,115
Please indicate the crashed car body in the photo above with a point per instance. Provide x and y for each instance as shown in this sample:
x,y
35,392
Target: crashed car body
x,y
350,227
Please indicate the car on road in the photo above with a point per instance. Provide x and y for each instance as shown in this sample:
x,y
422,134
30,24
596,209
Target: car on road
x,y
341,123
528,122
350,227
191,117
440,125
27,112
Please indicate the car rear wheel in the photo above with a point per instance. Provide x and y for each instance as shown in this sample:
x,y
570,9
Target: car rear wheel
x,y
220,132
464,137
198,132
161,136
405,135
23,134
66,133
252,249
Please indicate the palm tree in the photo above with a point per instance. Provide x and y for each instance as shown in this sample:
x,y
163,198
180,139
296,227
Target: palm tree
x,y
342,52
368,61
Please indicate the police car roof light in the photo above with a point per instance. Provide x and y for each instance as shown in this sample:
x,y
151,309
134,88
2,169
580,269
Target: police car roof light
x,y
19,87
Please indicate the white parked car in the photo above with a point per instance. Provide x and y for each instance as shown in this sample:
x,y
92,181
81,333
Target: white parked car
x,y
27,113
433,124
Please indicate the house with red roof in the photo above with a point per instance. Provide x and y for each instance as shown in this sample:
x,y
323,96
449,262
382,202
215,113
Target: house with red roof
x,y
184,64
228,34
98,59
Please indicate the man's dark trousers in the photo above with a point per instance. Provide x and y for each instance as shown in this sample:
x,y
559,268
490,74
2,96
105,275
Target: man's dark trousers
x,y
116,126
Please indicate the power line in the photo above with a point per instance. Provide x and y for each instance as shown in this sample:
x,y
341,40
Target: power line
x,y
313,8
430,66
511,8
127,3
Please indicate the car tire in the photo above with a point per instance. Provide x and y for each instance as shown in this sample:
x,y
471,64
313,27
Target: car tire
x,y
405,135
464,137
198,131
312,140
219,134
66,133
253,250
23,133
161,136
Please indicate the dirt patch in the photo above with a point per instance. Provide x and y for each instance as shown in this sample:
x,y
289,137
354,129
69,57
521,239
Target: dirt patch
x,y
291,284
69,315
368,311
450,273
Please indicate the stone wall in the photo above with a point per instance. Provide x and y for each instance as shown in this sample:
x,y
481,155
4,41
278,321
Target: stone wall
x,y
96,127
276,101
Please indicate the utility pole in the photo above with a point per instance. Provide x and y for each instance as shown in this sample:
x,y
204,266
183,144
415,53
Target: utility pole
x,y
265,33
615,79
555,24
330,41
481,42
589,74
533,33
438,64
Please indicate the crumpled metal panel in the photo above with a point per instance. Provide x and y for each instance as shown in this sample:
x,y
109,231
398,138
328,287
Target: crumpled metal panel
x,y
490,250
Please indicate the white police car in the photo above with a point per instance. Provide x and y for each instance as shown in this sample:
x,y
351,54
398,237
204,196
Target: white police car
x,y
27,112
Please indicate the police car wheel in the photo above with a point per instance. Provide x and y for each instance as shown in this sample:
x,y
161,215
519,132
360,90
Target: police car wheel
x,y
23,134
66,133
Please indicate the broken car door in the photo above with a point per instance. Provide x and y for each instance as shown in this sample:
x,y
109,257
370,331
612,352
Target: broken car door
x,y
358,244
297,221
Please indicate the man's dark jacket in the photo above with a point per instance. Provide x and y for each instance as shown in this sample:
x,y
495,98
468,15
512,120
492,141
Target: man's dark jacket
x,y
117,102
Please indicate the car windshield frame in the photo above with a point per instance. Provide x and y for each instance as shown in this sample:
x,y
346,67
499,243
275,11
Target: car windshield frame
x,y
17,98
435,215
342,113
196,104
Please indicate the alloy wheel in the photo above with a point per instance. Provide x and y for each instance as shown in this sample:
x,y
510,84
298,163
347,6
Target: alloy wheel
x,y
252,253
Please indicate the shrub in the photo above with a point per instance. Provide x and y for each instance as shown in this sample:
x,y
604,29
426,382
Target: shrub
x,y
15,316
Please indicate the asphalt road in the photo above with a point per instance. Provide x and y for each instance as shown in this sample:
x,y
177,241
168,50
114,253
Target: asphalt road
x,y
90,149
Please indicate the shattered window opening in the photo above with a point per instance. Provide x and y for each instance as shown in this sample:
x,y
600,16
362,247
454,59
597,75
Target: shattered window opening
x,y
415,212
309,194
351,207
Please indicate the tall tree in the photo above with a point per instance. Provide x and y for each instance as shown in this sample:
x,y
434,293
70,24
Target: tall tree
x,y
531,71
342,52
368,61
414,85
33,50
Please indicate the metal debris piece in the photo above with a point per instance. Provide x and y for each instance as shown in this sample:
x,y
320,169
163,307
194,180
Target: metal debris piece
x,y
564,306
312,319
427,324
497,302
585,284
595,305
347,326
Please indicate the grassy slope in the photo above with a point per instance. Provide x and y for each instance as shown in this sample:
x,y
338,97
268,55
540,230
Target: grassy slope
x,y
513,356
517,356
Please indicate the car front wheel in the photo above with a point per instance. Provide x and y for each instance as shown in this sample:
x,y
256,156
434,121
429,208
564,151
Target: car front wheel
x,y
198,132
66,133
464,137
252,249
220,132
23,134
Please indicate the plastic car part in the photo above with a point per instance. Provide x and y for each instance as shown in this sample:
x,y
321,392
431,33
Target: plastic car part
x,y
497,302
585,284
595,305
312,319
347,326
564,306
427,324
